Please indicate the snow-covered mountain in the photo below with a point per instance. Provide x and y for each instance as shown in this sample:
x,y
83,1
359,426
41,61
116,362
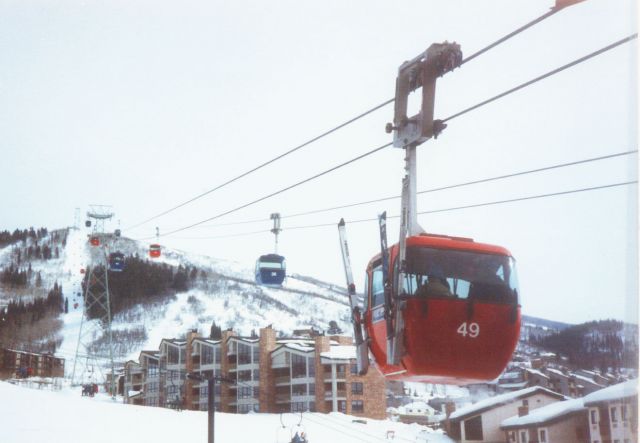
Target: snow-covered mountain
x,y
227,295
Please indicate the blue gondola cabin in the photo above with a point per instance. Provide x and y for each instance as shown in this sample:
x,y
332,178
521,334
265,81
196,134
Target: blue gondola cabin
x,y
270,270
116,261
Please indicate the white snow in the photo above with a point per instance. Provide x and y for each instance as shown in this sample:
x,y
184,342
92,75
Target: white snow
x,y
546,413
340,353
29,415
498,400
616,392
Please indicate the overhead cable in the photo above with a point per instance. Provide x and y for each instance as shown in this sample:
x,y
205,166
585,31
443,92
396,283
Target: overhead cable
x,y
340,126
435,211
542,77
440,188
366,154
262,165
548,74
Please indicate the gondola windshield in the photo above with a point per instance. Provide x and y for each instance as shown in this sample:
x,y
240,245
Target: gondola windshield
x,y
459,274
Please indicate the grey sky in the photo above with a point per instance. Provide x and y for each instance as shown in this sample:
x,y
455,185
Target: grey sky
x,y
143,105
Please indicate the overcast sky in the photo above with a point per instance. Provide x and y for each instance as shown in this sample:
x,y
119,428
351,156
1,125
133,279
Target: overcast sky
x,y
145,104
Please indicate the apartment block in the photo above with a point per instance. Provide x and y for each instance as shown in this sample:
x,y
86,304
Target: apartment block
x,y
22,364
261,374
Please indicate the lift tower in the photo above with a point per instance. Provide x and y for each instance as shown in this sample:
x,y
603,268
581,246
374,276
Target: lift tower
x,y
95,340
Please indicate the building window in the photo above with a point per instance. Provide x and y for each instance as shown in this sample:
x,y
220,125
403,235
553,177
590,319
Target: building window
x,y
173,355
244,375
542,436
244,354
357,388
206,356
217,356
298,366
473,428
255,352
614,414
594,417
357,406
298,406
354,368
525,402
243,409
311,366
512,437
256,375
299,390
245,392
204,391
523,437
624,413
342,406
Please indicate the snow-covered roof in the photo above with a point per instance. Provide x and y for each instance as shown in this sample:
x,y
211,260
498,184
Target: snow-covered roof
x,y
152,354
298,347
416,408
243,339
587,379
510,375
517,385
502,399
208,341
616,392
345,352
545,414
536,372
174,341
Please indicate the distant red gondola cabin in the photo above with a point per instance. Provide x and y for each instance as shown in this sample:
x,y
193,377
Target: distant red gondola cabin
x,y
95,241
154,251
461,313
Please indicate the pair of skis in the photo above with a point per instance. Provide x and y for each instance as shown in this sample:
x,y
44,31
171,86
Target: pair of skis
x,y
393,305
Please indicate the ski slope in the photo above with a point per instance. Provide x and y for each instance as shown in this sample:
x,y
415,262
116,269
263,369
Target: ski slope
x,y
32,415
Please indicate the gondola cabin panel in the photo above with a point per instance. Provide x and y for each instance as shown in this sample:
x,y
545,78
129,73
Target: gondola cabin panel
x,y
457,344
461,313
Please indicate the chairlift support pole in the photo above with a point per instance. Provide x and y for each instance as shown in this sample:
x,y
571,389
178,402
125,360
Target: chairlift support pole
x,y
409,133
96,299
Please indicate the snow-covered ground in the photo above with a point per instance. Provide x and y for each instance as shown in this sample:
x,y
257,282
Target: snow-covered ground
x,y
33,415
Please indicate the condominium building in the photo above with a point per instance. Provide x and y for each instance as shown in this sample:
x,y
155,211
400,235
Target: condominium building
x,y
150,366
262,374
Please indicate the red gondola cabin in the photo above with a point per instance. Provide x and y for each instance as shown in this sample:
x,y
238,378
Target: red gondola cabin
x,y
154,250
461,313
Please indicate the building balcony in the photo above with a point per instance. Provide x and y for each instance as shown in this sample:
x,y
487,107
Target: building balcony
x,y
340,395
283,380
283,398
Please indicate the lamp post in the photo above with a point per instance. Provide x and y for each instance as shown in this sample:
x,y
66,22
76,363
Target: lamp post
x,y
211,396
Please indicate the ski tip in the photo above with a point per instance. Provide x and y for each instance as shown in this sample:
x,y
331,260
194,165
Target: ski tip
x,y
341,222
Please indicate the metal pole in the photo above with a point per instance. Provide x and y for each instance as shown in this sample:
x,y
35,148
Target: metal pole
x,y
411,169
211,409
